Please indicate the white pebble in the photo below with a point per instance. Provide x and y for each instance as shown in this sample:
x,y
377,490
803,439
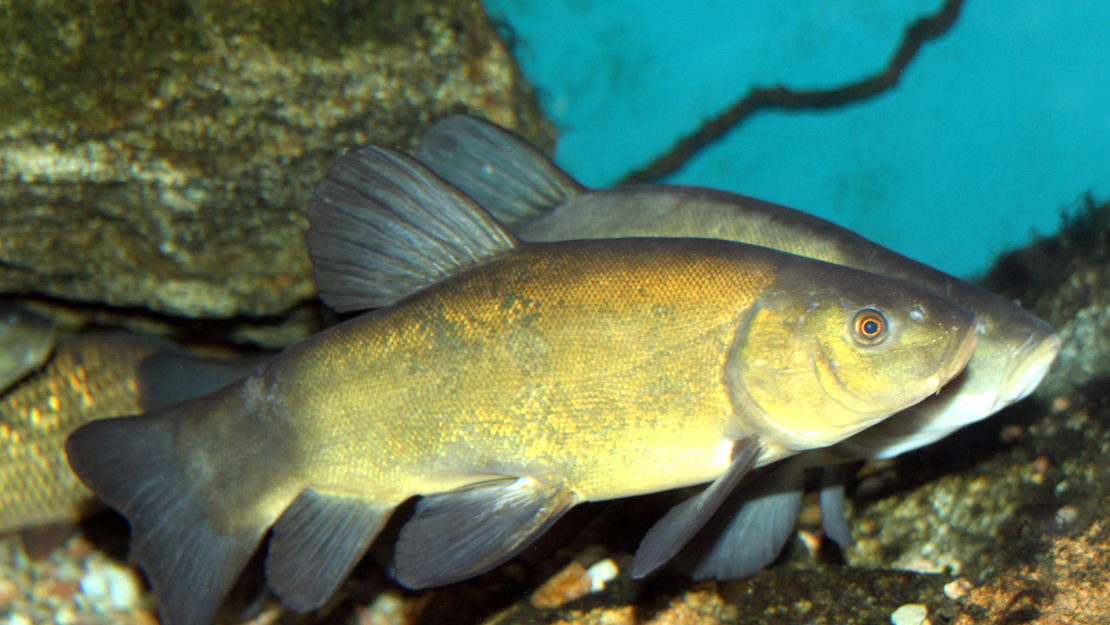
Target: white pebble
x,y
65,616
602,573
110,587
123,588
94,586
910,614
19,619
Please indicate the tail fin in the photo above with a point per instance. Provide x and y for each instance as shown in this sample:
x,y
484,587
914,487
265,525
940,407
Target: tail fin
x,y
504,173
129,463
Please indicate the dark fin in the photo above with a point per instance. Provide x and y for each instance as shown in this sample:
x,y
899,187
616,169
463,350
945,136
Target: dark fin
x,y
26,342
833,517
756,522
317,541
456,535
504,173
383,226
679,525
170,378
129,463
41,541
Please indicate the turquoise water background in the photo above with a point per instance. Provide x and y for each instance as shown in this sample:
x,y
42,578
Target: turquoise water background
x,y
994,129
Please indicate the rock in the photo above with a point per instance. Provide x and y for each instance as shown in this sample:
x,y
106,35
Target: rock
x,y
159,156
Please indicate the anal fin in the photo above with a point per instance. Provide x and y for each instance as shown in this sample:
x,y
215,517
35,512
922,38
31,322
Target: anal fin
x,y
316,542
679,525
460,534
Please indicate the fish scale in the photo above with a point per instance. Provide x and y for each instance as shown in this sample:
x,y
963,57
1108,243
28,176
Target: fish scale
x,y
88,378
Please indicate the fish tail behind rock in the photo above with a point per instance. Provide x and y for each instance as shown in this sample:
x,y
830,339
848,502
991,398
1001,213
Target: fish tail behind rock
x,y
504,173
191,564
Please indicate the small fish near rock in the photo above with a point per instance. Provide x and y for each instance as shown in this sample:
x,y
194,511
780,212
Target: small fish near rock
x,y
503,382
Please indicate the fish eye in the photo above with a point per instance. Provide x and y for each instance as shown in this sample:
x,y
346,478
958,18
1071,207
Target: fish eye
x,y
870,326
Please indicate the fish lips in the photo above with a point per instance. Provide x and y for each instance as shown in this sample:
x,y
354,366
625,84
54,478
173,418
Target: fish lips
x,y
1028,367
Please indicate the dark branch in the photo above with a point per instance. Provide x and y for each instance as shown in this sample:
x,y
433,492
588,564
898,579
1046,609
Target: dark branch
x,y
759,98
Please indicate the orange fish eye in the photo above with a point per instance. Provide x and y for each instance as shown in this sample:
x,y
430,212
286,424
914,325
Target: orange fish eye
x,y
870,326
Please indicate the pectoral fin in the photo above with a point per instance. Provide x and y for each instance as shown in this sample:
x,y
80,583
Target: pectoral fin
x,y
833,518
460,534
752,525
676,528
317,541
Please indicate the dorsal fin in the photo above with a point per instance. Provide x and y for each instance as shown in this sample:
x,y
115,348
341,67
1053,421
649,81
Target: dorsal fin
x,y
383,226
508,176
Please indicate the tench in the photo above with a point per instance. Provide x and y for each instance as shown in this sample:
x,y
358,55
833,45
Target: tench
x,y
25,341
540,202
506,383
89,377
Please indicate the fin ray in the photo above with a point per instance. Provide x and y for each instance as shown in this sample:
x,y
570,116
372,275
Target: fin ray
x,y
129,463
383,226
682,522
502,172
316,542
460,534
755,523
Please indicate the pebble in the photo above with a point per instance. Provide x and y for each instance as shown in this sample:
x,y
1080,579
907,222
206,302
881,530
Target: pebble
x,y
958,588
109,586
812,541
565,586
602,573
910,614
1066,515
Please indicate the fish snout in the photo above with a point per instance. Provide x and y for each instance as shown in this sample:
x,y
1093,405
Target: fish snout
x,y
1029,365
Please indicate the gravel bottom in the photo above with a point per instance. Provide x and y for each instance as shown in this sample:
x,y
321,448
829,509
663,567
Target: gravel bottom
x,y
74,585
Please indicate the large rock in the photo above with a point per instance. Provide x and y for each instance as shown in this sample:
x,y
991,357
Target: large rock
x,y
160,155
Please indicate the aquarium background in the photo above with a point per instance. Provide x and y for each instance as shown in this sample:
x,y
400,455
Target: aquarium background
x,y
994,129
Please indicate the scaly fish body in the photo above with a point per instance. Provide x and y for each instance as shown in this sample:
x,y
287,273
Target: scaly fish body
x,y
88,377
579,364
1013,354
507,383
524,190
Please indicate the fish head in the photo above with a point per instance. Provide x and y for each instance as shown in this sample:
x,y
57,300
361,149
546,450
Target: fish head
x,y
816,364
1028,348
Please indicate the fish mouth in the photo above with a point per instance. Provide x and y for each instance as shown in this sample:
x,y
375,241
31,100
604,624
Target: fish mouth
x,y
1029,365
